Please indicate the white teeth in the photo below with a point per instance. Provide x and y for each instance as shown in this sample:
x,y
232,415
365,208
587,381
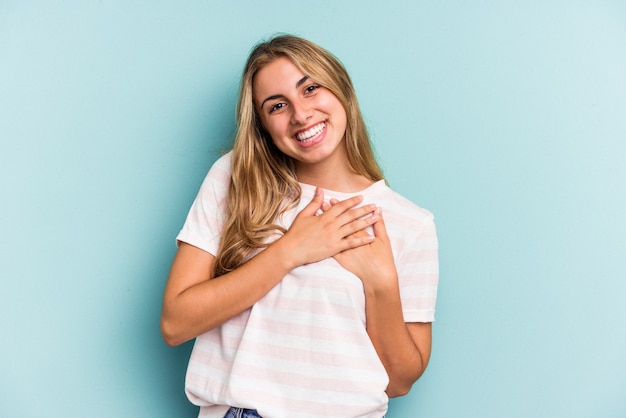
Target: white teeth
x,y
307,135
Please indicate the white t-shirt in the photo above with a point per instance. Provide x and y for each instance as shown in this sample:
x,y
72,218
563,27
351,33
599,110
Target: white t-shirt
x,y
303,349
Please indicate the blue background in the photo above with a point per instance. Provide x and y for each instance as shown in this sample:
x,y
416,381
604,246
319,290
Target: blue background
x,y
506,119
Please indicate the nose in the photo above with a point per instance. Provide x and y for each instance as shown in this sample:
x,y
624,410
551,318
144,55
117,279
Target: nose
x,y
301,112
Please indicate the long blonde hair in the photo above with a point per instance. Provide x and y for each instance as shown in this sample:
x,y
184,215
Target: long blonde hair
x,y
263,182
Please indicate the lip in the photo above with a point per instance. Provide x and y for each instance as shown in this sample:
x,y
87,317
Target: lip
x,y
315,139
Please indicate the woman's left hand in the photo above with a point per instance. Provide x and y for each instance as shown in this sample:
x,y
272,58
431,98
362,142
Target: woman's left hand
x,y
372,263
404,349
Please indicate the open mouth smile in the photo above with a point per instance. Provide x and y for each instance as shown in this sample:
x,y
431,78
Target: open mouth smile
x,y
310,134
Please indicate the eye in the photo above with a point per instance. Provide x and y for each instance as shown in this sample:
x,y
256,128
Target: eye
x,y
276,107
311,89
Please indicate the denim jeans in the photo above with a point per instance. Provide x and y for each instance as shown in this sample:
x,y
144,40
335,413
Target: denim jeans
x,y
242,413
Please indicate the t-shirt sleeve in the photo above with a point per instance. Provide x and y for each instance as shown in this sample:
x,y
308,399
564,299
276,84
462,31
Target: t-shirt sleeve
x,y
418,273
205,220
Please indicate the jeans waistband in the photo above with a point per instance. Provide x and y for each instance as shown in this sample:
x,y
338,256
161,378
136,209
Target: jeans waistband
x,y
242,413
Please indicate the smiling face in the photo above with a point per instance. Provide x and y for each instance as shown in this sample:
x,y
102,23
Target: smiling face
x,y
305,120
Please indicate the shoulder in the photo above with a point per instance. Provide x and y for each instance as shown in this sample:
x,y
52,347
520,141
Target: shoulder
x,y
400,210
224,161
219,173
220,170
410,227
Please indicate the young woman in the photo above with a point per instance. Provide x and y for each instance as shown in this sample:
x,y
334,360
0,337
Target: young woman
x,y
308,284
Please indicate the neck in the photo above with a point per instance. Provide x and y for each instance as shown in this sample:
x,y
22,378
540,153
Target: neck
x,y
340,179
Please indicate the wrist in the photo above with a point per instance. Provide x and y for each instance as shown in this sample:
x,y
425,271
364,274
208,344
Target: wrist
x,y
285,256
382,284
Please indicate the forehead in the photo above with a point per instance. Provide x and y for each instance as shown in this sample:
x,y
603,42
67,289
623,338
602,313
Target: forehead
x,y
278,77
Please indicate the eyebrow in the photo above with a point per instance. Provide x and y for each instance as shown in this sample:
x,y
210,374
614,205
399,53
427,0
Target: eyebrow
x,y
278,96
302,81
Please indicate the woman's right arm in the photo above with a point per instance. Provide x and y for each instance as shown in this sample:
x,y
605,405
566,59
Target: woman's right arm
x,y
194,302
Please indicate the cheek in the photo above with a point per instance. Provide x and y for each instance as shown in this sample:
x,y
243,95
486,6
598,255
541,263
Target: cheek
x,y
277,133
335,108
273,129
265,123
341,119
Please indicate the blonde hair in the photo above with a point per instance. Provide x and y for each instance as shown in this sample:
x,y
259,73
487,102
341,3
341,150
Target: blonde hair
x,y
263,183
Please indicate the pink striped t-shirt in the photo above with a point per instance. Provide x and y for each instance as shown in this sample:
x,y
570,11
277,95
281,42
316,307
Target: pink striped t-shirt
x,y
303,349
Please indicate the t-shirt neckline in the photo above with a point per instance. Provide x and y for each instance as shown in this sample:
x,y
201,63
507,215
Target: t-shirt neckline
x,y
310,189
